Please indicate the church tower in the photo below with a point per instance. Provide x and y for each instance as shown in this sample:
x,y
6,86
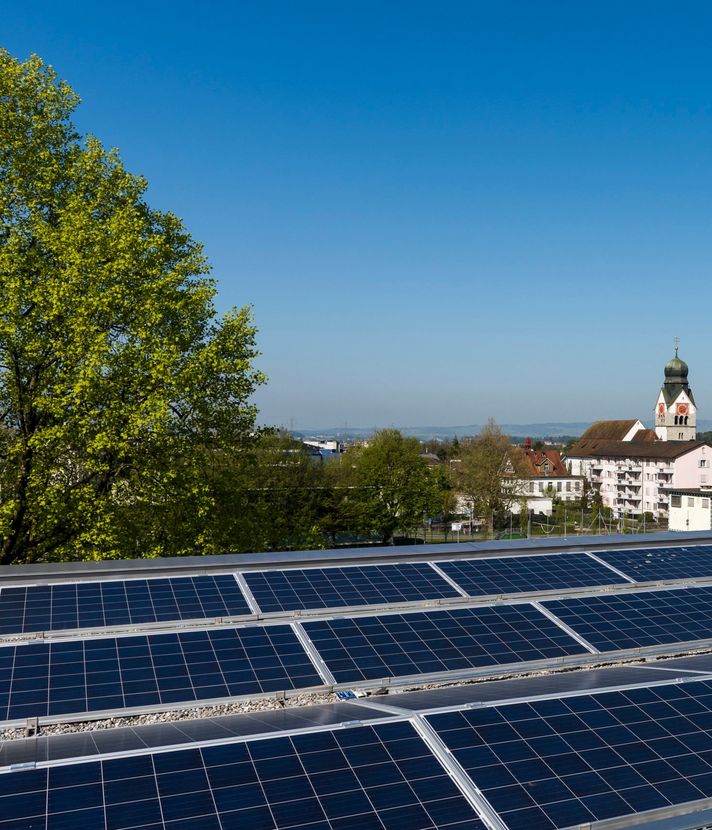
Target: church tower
x,y
675,410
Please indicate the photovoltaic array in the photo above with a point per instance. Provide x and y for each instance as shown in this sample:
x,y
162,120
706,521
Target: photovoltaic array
x,y
515,574
651,564
398,645
633,620
118,602
563,762
294,589
364,778
89,675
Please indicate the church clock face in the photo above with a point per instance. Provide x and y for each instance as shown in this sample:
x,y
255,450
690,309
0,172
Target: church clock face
x,y
683,409
661,409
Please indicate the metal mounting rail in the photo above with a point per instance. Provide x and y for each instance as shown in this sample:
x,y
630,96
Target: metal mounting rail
x,y
466,785
249,596
567,628
313,654
451,582
611,568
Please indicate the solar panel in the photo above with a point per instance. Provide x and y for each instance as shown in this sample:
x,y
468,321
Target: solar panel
x,y
651,564
363,778
569,761
631,620
132,601
399,645
55,678
293,589
514,574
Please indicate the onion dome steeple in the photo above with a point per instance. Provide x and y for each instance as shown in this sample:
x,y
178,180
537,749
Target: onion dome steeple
x,y
676,370
675,410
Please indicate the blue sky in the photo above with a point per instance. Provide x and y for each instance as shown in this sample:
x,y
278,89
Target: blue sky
x,y
439,211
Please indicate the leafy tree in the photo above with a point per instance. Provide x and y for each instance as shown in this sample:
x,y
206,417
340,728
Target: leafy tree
x,y
394,486
481,476
118,383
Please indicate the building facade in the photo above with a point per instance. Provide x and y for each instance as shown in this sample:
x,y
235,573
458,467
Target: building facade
x,y
690,508
634,468
540,478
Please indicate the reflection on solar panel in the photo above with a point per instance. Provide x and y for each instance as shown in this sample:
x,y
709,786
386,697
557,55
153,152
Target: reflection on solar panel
x,y
335,587
364,778
513,574
99,604
649,564
41,679
643,619
570,761
398,645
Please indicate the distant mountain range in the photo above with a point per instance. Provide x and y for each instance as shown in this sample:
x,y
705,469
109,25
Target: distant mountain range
x,y
544,430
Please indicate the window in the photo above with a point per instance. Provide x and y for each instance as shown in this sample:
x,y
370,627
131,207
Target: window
x,y
703,462
706,504
675,501
681,435
690,502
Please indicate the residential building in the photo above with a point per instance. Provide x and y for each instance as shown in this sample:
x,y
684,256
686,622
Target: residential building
x,y
633,467
690,508
540,478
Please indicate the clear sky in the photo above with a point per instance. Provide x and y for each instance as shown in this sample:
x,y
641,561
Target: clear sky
x,y
439,211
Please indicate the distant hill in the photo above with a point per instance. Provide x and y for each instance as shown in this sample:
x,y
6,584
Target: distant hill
x,y
553,429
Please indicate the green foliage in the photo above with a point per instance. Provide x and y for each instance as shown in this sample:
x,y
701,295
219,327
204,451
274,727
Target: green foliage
x,y
393,486
481,474
119,387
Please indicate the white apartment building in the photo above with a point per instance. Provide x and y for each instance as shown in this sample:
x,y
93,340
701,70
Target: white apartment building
x,y
690,508
634,467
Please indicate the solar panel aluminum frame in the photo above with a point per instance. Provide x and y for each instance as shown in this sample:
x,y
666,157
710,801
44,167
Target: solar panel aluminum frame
x,y
134,711
138,629
103,714
200,744
321,669
684,816
337,557
691,815
160,625
350,609
431,741
313,614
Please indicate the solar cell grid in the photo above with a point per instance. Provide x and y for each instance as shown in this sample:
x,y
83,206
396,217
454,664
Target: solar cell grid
x,y
293,589
632,620
398,645
54,678
364,778
650,564
570,761
515,574
126,602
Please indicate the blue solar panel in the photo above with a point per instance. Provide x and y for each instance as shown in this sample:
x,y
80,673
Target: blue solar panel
x,y
398,645
569,761
293,589
55,678
364,778
100,604
514,574
651,564
631,620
